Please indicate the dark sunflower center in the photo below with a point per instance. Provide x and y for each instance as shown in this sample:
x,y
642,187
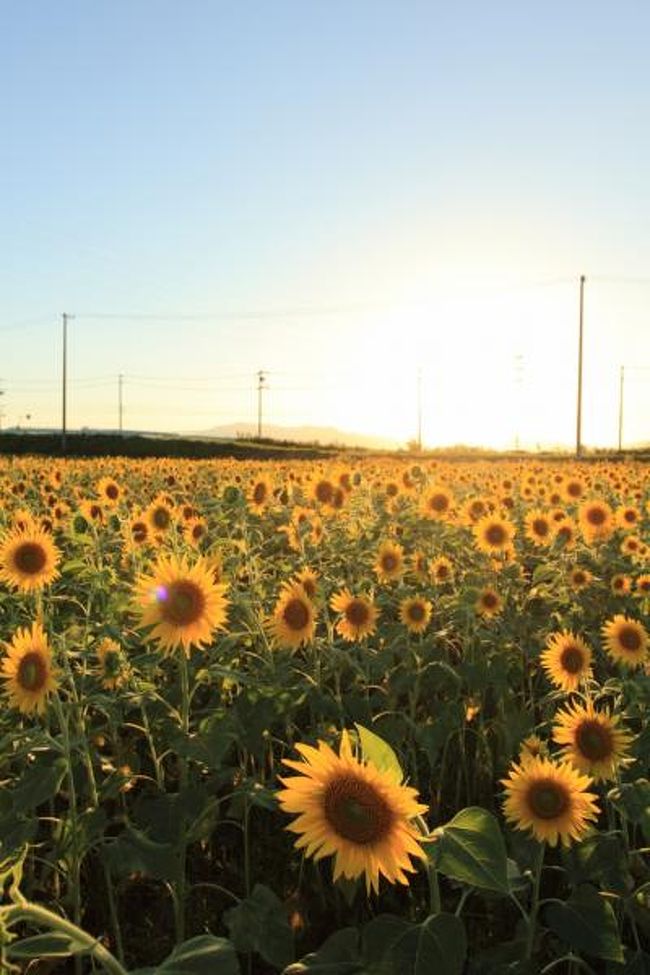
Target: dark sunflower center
x,y
392,490
442,571
579,578
571,660
32,672
594,741
112,492
30,558
324,492
197,531
495,535
477,509
439,502
356,612
540,527
389,562
629,638
161,518
596,516
259,493
630,517
490,600
356,810
547,799
574,489
296,614
415,612
309,586
139,531
183,604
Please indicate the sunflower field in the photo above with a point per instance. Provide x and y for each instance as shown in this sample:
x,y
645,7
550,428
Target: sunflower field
x,y
369,715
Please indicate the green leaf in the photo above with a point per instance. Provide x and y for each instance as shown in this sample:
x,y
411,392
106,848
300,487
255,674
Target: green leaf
x,y
379,934
438,945
586,922
39,783
51,945
339,955
374,749
471,848
204,955
260,924
134,852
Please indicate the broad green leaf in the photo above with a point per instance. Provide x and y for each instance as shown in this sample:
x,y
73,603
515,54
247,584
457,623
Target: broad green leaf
x,y
339,955
134,852
39,783
54,944
374,749
379,934
438,945
260,924
470,848
204,955
586,922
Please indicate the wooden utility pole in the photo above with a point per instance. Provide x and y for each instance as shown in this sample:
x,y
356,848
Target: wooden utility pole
x,y
260,387
64,390
580,331
120,383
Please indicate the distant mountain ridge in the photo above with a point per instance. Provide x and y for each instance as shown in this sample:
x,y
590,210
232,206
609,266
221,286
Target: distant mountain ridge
x,y
304,434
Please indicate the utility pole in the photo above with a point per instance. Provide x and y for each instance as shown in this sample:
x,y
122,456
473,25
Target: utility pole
x,y
2,392
120,383
579,410
419,388
261,377
64,378
620,410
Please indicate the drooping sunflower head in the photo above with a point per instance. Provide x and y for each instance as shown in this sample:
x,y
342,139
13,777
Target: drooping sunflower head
x,y
308,579
293,621
28,559
182,603
260,494
626,640
353,811
415,613
389,565
593,740
550,799
27,670
566,660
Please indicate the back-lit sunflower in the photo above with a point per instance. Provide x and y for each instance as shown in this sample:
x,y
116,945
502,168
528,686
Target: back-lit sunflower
x,y
626,640
160,516
436,503
550,800
415,613
195,530
181,602
493,535
566,660
359,615
260,494
592,740
28,559
353,811
27,670
390,562
293,622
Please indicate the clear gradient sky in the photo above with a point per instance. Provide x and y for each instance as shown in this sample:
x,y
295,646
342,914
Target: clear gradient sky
x,y
349,191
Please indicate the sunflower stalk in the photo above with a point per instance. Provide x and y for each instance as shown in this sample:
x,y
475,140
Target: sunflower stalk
x,y
75,855
534,906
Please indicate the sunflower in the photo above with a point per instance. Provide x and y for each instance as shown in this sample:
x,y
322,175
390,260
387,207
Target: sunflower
x,y
626,640
628,517
109,491
112,669
28,559
620,584
493,535
419,566
182,603
489,602
28,671
580,578
353,811
436,504
550,800
566,660
642,585
390,562
593,741
532,747
540,529
565,532
415,613
294,618
359,618
160,516
322,491
596,521
308,579
442,570
260,494
195,529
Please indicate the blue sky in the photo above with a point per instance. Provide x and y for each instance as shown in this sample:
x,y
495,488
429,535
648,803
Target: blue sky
x,y
387,186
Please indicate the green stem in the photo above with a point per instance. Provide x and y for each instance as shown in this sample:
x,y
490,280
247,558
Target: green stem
x,y
435,905
179,885
75,858
532,917
40,915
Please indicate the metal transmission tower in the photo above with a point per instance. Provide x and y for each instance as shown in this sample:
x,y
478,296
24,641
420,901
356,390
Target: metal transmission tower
x,y
261,380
